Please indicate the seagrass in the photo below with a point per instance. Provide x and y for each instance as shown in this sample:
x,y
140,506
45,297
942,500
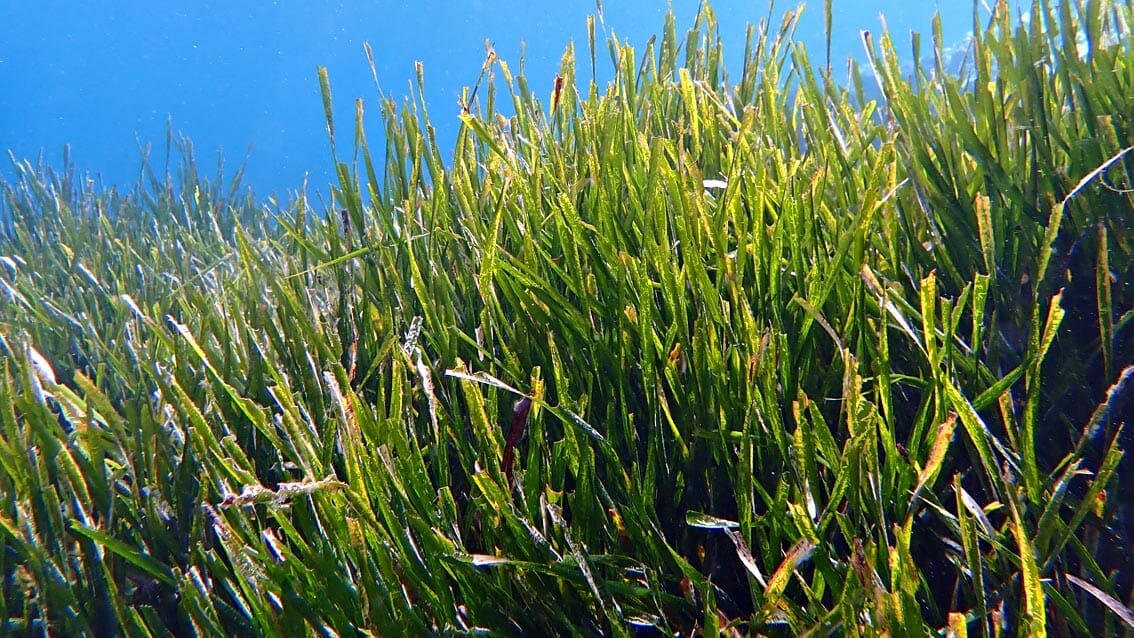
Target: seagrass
x,y
701,348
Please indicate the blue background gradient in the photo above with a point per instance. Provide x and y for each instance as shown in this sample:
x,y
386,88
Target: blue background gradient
x,y
239,78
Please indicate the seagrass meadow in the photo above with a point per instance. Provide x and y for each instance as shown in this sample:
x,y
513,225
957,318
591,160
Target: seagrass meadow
x,y
787,350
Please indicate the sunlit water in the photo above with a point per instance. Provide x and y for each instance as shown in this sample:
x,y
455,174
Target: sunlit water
x,y
239,78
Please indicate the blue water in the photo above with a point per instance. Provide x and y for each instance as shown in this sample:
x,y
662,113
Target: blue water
x,y
239,79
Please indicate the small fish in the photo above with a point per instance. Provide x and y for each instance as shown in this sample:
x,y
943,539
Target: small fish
x,y
520,412
555,93
346,222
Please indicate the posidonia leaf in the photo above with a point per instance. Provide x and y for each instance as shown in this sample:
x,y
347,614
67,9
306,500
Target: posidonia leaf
x,y
927,294
1037,353
796,556
705,521
487,560
982,207
983,438
486,379
325,92
123,550
1055,221
745,555
1104,301
1107,410
1034,616
936,454
1122,611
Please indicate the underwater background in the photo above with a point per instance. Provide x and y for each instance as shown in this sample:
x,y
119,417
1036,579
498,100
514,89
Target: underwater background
x,y
238,79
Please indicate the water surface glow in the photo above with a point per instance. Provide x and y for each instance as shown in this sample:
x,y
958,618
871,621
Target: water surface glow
x,y
239,78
